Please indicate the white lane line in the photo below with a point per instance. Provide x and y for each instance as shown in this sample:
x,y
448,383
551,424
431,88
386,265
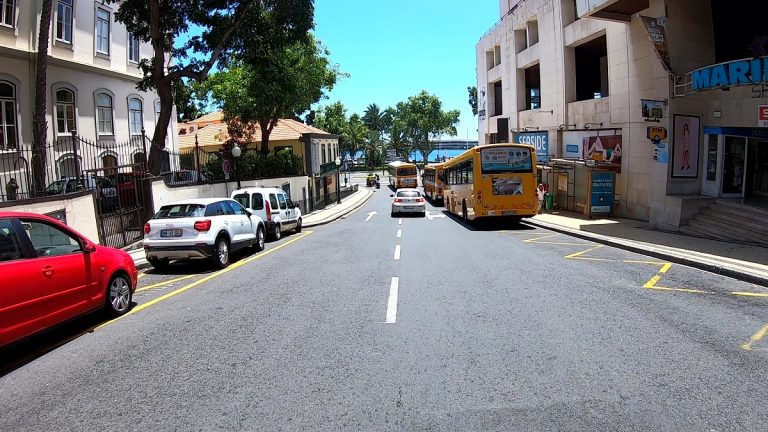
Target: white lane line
x,y
397,252
400,222
399,233
392,302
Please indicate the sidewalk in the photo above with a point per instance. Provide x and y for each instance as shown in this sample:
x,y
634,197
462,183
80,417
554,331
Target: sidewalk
x,y
743,262
319,217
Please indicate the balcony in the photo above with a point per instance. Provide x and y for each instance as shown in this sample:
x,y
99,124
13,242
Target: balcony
x,y
611,10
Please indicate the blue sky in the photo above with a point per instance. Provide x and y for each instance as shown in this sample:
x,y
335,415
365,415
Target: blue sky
x,y
393,49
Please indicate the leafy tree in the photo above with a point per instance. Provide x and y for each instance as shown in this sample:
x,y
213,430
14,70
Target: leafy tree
x,y
265,87
39,122
472,90
398,138
424,121
228,27
333,119
188,105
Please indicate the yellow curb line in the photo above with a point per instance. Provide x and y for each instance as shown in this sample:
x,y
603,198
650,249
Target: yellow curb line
x,y
238,264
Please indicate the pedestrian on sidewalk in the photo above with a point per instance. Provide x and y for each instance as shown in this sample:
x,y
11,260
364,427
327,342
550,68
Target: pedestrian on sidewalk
x,y
540,192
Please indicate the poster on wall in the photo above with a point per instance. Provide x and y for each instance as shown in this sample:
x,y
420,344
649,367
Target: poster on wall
x,y
600,145
685,146
603,147
602,187
661,152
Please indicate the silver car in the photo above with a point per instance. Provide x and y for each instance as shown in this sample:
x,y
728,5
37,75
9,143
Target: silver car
x,y
408,201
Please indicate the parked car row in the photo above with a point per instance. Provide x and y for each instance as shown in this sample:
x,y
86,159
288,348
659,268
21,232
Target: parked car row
x,y
211,228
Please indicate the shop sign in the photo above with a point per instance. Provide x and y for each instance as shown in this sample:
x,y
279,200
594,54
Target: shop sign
x,y
596,145
762,116
652,109
602,185
731,74
656,133
661,152
539,140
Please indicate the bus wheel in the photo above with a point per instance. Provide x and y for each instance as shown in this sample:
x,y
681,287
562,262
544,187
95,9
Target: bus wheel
x,y
464,212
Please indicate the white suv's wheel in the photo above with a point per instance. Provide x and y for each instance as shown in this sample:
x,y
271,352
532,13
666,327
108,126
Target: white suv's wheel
x,y
259,244
221,253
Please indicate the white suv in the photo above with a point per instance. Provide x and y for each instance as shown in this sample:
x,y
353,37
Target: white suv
x,y
201,228
274,206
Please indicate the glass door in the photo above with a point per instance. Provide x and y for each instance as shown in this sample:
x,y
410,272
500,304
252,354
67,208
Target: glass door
x,y
734,156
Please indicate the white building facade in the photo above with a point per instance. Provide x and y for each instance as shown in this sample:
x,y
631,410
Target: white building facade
x,y
93,69
633,88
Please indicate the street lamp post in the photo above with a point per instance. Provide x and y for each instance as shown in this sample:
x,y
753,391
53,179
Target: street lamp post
x,y
338,180
236,152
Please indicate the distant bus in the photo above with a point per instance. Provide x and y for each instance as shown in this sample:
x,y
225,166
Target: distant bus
x,y
433,182
492,180
402,174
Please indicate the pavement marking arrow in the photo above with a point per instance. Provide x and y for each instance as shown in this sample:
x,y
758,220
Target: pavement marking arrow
x,y
432,216
371,215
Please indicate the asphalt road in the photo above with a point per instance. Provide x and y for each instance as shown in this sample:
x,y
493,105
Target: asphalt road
x,y
492,328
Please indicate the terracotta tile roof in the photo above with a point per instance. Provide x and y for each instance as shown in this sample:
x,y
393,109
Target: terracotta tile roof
x,y
215,116
216,134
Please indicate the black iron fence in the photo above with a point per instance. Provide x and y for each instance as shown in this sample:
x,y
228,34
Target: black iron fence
x,y
320,202
69,163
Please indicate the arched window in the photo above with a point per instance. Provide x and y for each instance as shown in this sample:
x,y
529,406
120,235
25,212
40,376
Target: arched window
x,y
65,111
135,116
104,114
67,166
110,162
8,128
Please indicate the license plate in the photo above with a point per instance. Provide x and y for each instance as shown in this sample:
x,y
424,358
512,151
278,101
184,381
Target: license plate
x,y
510,212
170,233
408,207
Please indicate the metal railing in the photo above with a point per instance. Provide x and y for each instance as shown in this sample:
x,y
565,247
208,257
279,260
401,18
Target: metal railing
x,y
62,167
320,202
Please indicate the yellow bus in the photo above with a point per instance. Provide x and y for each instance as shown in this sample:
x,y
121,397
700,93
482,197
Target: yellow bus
x,y
492,180
402,175
432,179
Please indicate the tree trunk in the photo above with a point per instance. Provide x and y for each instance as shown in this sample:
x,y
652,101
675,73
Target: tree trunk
x,y
266,130
39,122
163,86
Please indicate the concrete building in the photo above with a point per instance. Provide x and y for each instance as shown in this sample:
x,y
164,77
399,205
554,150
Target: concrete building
x,y
664,94
93,69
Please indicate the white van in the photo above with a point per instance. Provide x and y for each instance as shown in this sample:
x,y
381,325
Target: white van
x,y
273,206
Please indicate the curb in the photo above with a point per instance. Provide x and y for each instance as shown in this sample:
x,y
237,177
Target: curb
x,y
342,213
649,250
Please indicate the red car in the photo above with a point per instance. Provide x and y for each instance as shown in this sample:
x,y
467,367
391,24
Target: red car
x,y
49,274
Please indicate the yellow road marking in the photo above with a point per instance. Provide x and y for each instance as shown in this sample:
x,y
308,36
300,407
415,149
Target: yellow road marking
x,y
546,236
694,291
141,275
749,294
644,262
238,264
755,338
665,268
574,255
168,282
652,283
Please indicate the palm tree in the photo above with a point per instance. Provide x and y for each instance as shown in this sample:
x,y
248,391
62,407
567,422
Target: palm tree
x,y
375,119
355,134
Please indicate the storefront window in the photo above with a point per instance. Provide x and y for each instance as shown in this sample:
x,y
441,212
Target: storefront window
x,y
712,158
733,165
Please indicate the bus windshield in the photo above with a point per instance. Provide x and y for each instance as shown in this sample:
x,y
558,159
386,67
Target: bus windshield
x,y
501,160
